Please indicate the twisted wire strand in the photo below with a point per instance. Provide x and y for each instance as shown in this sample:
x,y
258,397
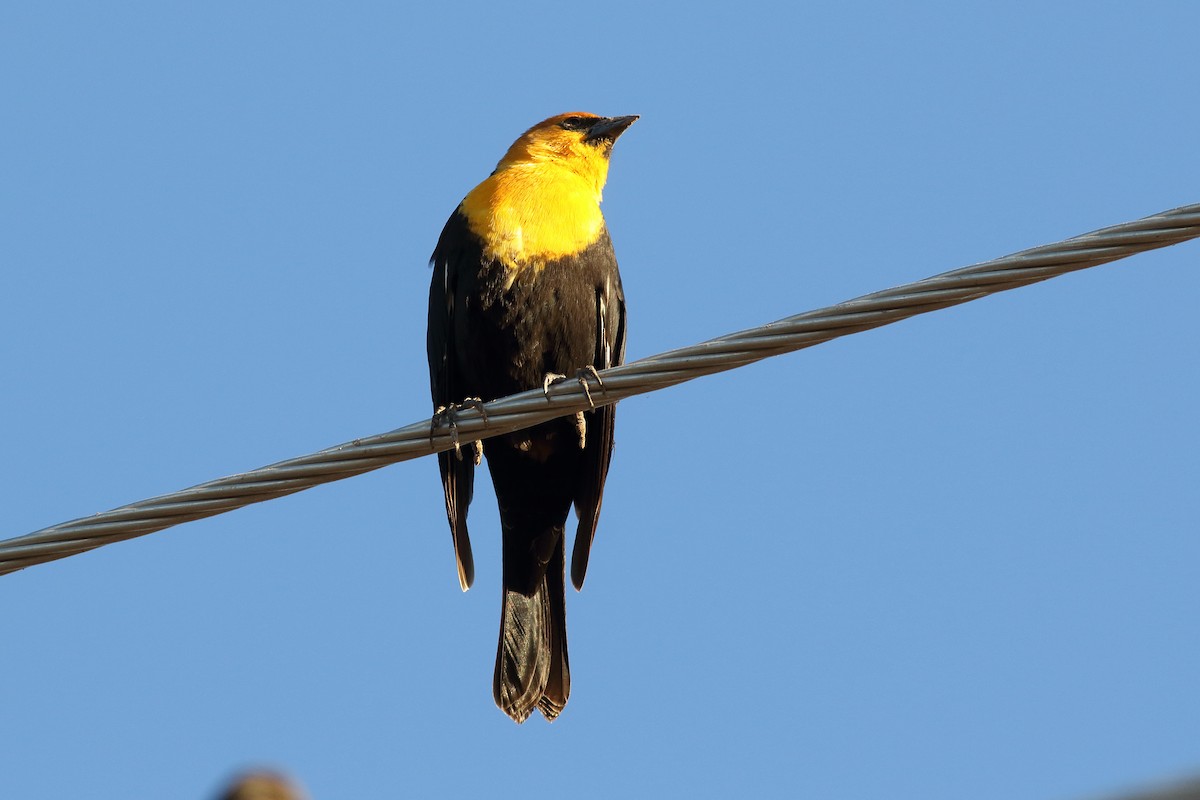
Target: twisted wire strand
x,y
656,372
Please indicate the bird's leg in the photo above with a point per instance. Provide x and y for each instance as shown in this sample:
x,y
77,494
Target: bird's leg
x,y
449,416
581,429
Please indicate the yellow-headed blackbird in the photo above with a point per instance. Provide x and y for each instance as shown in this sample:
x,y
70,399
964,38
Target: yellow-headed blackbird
x,y
526,290
263,785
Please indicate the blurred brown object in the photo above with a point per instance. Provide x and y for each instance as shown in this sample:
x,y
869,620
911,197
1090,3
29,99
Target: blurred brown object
x,y
263,785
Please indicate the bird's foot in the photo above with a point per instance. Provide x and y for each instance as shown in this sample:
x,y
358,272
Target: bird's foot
x,y
582,376
551,379
448,415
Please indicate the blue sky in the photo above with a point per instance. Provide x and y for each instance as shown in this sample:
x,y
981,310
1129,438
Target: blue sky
x,y
952,557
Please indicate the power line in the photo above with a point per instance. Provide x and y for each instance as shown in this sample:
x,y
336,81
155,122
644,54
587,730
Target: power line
x,y
656,372
1188,789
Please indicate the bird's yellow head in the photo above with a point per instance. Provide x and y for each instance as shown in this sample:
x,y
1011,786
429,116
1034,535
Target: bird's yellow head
x,y
576,141
543,200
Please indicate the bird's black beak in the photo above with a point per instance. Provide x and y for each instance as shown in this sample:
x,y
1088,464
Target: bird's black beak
x,y
609,128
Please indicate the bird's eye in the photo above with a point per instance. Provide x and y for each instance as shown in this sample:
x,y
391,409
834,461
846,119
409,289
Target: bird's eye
x,y
573,123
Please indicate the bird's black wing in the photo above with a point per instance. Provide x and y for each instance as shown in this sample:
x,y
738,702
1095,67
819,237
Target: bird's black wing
x,y
458,474
610,352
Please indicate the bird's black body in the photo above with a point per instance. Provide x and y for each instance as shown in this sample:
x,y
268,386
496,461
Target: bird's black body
x,y
496,328
499,340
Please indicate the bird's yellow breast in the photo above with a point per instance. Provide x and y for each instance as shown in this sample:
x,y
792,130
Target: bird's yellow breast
x,y
529,214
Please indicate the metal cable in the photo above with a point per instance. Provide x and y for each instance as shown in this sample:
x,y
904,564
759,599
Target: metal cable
x,y
656,372
1187,789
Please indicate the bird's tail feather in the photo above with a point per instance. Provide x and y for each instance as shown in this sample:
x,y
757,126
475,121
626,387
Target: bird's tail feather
x,y
531,659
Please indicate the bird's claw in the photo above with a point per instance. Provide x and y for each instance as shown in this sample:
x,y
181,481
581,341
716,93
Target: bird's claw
x,y
448,415
550,379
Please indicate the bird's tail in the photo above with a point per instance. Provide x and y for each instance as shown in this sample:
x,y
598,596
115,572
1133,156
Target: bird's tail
x,y
531,660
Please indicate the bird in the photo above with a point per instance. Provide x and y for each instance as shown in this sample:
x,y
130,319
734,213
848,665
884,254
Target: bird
x,y
263,785
526,292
